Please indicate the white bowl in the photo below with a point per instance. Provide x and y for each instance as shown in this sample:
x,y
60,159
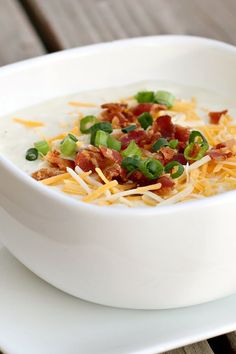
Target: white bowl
x,y
149,258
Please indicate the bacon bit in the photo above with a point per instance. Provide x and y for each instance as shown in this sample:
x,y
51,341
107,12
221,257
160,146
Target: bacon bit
x,y
219,155
139,136
44,173
53,157
141,108
118,114
167,185
180,158
182,133
111,154
164,126
167,153
223,150
215,116
156,108
113,171
226,144
89,159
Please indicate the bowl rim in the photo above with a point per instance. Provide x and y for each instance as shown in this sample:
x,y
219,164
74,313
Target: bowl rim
x,y
68,201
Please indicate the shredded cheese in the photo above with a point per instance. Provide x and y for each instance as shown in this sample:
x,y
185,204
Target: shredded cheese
x,y
101,190
82,104
28,123
55,179
78,179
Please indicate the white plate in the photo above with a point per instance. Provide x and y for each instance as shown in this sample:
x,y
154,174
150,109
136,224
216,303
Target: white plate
x,y
37,318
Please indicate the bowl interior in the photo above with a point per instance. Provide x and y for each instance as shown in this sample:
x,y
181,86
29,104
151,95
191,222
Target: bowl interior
x,y
186,60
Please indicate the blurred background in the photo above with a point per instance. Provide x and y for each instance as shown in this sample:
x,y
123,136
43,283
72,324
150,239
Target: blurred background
x,y
30,28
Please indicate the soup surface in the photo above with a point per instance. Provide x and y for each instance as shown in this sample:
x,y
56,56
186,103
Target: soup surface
x,y
146,144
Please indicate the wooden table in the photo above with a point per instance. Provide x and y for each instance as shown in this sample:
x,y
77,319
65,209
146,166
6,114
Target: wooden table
x,y
30,28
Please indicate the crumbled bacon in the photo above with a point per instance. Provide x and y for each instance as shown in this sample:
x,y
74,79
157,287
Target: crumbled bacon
x,y
118,114
215,116
54,158
153,108
180,158
107,159
89,159
167,153
139,136
111,154
167,185
164,126
44,173
223,150
115,171
141,108
182,133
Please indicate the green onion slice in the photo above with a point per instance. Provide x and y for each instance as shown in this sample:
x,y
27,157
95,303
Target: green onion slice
x,y
101,138
164,97
31,154
68,146
197,137
42,147
131,163
113,143
104,126
172,166
145,96
173,143
159,144
189,150
151,168
128,129
73,137
86,123
132,150
145,119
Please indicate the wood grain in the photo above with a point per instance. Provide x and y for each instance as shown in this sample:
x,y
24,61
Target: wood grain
x,y
18,40
69,23
197,348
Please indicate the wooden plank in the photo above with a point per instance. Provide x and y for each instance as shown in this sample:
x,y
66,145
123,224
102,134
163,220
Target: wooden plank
x,y
197,348
69,23
18,40
231,337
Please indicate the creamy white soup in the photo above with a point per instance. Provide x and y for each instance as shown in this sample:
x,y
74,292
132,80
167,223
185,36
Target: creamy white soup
x,y
146,144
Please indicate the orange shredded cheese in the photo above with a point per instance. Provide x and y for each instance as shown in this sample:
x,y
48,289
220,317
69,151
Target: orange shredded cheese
x,y
55,179
82,104
28,123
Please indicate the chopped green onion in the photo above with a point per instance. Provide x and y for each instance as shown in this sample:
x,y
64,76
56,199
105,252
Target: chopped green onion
x,y
172,165
104,126
113,143
189,151
100,138
195,136
86,123
145,119
164,97
128,129
151,168
42,147
68,146
145,96
173,143
31,154
132,150
159,144
73,137
131,163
